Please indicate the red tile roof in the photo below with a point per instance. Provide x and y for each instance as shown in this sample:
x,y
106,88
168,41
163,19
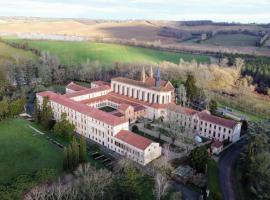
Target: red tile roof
x,y
217,144
203,115
124,106
133,139
149,83
84,109
75,87
133,102
217,120
119,99
87,91
101,83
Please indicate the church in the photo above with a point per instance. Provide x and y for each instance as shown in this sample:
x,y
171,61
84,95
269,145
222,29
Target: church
x,y
104,112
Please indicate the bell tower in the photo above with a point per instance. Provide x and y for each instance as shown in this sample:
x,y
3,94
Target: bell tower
x,y
158,78
151,74
143,75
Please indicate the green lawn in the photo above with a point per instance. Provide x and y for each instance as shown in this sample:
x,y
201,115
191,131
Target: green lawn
x,y
213,179
79,52
232,40
8,53
23,154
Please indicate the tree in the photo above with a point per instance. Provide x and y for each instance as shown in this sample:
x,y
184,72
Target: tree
x,y
66,159
64,128
191,88
213,106
4,108
46,115
177,196
75,152
175,129
70,158
17,106
198,158
257,176
128,179
93,183
36,114
135,129
161,185
82,150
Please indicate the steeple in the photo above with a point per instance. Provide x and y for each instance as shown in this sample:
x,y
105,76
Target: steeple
x,y
151,74
158,78
143,75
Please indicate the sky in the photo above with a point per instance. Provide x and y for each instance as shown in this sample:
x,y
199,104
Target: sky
x,y
245,11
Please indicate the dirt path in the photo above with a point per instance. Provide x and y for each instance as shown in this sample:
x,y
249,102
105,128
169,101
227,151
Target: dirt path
x,y
36,130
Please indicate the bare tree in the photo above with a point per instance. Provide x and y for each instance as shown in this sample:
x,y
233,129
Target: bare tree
x,y
175,129
161,185
92,182
37,193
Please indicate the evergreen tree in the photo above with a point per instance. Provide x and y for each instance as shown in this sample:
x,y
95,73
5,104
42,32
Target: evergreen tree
x,y
4,108
36,113
82,150
64,128
213,106
191,88
198,158
65,161
75,152
46,113
70,158
17,106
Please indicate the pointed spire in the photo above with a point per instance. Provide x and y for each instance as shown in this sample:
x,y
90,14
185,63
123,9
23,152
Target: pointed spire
x,y
158,78
143,75
151,74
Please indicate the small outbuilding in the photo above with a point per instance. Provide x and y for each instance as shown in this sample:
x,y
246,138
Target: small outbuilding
x,y
217,147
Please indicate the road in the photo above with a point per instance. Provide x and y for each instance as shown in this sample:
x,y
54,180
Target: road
x,y
226,166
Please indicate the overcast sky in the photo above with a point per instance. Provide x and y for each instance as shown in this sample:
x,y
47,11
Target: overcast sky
x,y
216,10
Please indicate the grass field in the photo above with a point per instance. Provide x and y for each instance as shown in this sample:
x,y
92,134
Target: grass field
x,y
25,150
23,153
232,40
213,182
79,52
8,53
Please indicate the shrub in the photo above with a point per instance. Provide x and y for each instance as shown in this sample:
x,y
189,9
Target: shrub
x,y
135,129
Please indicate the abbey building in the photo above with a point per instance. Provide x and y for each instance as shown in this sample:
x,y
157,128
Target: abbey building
x,y
103,113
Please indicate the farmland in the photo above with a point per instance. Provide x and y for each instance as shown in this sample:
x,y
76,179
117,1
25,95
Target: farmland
x,y
24,153
71,53
232,40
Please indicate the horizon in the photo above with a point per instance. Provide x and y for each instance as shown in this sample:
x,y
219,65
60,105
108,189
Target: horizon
x,y
123,20
250,11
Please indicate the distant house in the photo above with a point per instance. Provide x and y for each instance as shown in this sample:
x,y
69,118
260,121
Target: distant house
x,y
217,147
